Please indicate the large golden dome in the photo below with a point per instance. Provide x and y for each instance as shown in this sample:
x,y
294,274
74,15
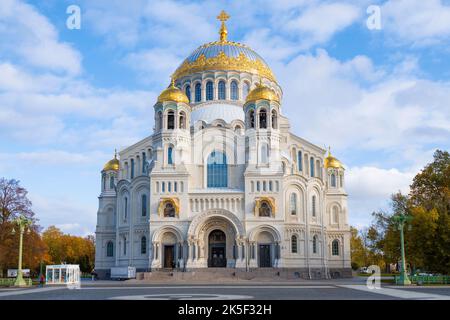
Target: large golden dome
x,y
172,93
224,55
261,92
332,162
112,164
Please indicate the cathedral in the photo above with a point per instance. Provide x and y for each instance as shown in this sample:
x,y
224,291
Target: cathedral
x,y
222,182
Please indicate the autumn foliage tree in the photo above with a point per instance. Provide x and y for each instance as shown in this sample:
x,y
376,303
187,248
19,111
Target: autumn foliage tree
x,y
65,248
427,239
14,203
52,247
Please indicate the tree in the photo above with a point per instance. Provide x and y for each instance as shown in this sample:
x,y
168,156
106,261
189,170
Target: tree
x,y
14,203
358,251
430,206
65,248
427,236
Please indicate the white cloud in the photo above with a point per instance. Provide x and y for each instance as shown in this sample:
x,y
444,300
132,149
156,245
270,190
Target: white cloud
x,y
69,214
154,65
370,188
417,21
320,22
388,112
29,35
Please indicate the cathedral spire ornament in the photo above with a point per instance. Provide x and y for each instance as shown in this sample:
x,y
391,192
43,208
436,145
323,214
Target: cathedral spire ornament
x,y
223,16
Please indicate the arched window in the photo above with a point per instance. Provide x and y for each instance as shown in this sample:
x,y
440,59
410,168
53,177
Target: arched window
x,y
251,118
335,248
311,166
319,172
144,162
264,153
209,90
283,167
144,205
182,120
132,169
270,185
315,244
125,209
124,246
103,182
143,245
333,180
263,119
169,210
335,214
299,161
221,89
293,203
294,247
169,155
274,120
217,170
198,92
170,120
111,182
264,209
234,90
110,249
245,90
313,206
187,90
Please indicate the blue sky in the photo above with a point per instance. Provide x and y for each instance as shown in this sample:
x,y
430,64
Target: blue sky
x,y
380,98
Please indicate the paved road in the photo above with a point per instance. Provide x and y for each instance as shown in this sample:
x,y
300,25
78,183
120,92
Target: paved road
x,y
304,291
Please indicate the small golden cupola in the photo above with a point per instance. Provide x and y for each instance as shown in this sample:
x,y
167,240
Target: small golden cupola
x,y
262,92
172,93
332,162
113,164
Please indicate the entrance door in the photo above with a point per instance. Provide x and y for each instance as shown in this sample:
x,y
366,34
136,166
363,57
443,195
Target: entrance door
x,y
218,259
168,256
264,256
217,249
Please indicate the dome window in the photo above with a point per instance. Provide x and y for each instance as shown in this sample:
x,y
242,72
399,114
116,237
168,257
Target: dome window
x,y
170,120
188,92
198,92
234,90
263,119
209,91
221,89
274,119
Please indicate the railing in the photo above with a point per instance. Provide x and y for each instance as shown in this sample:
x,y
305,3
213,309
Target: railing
x,y
426,279
9,282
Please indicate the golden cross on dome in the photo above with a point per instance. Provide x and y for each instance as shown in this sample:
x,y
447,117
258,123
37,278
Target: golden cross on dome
x,y
223,16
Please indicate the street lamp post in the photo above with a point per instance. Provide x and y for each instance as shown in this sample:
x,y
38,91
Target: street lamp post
x,y
22,224
401,220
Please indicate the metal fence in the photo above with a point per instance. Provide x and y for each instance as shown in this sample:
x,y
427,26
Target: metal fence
x,y
426,279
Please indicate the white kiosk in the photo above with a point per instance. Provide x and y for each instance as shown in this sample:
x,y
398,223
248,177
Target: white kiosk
x,y
62,274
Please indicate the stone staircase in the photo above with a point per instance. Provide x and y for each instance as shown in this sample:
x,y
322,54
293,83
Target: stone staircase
x,y
222,275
